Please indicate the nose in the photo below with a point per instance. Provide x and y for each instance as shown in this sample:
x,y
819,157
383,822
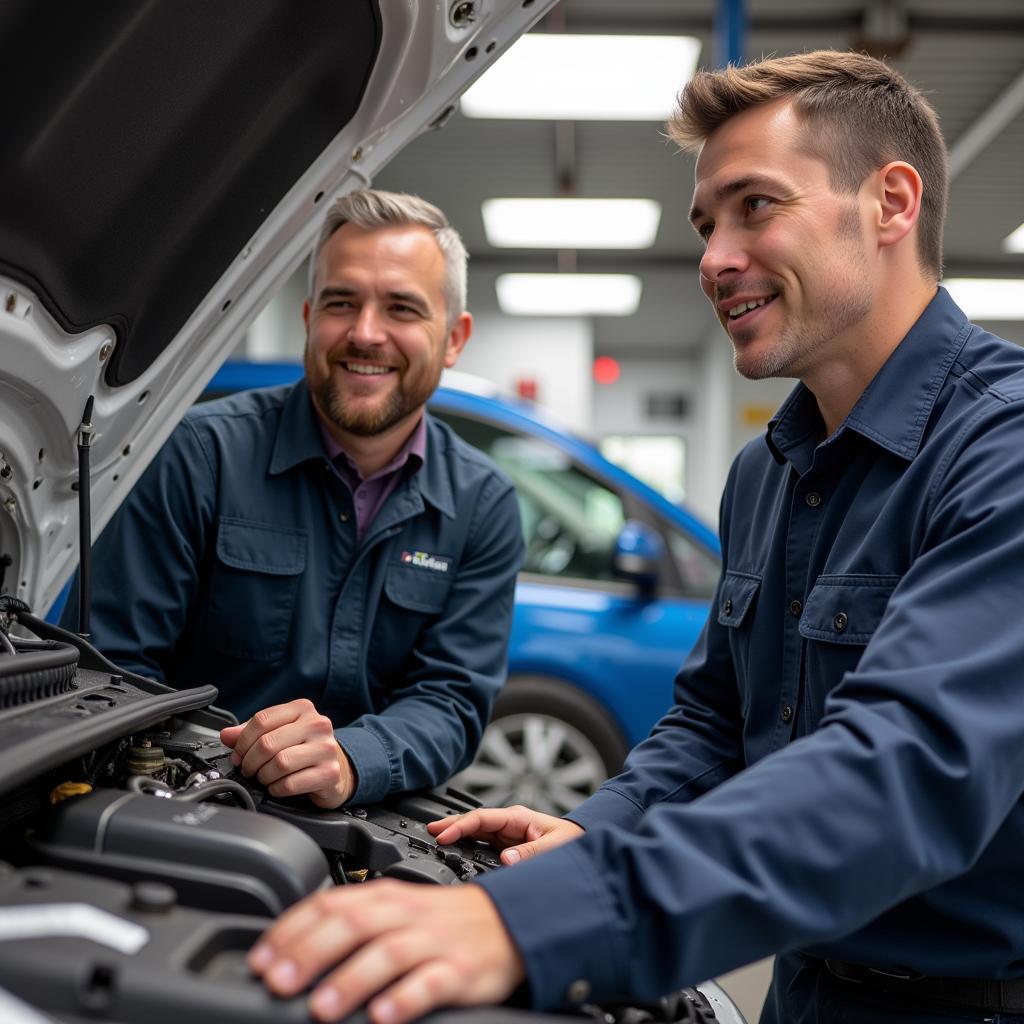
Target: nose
x,y
368,326
723,258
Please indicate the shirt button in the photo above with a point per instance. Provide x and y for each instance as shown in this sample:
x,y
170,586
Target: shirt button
x,y
795,607
840,622
813,499
578,991
787,713
727,606
343,516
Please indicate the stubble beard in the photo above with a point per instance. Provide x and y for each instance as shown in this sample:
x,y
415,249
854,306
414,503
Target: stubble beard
x,y
800,340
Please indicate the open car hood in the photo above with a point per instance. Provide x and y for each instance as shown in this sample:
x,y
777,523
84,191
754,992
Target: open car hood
x,y
165,167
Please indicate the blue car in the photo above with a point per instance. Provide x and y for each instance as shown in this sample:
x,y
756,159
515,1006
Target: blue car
x,y
612,595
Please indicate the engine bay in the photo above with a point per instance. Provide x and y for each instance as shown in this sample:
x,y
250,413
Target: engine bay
x,y
138,866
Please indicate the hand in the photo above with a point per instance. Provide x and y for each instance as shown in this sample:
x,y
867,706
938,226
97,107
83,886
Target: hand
x,y
291,749
419,946
517,831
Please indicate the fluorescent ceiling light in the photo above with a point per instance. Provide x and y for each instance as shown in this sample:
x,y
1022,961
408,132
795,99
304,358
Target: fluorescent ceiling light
x,y
981,298
572,223
568,294
1015,241
585,77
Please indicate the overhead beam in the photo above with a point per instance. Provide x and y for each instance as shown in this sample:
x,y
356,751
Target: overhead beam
x,y
986,128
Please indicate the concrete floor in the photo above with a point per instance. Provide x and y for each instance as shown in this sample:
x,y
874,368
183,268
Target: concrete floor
x,y
747,987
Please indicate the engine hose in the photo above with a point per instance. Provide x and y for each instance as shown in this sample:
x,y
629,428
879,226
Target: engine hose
x,y
147,784
197,794
33,675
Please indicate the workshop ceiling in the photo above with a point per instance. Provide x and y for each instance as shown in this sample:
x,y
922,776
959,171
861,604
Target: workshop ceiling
x,y
967,57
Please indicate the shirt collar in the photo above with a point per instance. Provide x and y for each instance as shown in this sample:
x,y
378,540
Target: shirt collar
x,y
896,406
298,439
414,452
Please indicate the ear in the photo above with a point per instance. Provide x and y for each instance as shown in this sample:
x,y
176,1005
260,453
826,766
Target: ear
x,y
899,191
457,338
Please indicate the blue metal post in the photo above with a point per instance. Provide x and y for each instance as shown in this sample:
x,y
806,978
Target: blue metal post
x,y
730,32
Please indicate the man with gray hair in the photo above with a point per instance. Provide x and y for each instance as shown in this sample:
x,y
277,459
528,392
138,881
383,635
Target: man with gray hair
x,y
337,562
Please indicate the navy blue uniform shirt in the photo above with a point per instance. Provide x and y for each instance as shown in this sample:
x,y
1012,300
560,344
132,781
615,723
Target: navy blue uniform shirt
x,y
843,769
234,561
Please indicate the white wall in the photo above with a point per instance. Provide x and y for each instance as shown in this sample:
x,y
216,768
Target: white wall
x,y
277,333
556,352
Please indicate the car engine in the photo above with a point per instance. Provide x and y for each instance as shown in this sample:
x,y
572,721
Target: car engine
x,y
137,866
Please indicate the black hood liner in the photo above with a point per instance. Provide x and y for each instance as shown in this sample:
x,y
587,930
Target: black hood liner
x,y
145,142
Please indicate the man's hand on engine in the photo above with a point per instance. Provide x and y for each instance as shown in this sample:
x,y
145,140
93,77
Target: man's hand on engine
x,y
406,948
291,749
517,831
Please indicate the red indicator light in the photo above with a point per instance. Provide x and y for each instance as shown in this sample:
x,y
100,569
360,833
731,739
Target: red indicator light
x,y
606,370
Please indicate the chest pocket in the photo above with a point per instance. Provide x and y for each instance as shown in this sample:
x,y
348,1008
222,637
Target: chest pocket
x,y
846,609
254,580
737,600
418,590
842,614
413,596
735,597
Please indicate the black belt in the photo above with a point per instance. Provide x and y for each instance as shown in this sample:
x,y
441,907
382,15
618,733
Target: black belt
x,y
968,994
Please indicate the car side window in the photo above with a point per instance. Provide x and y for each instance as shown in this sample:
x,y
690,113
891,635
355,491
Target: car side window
x,y
698,568
571,520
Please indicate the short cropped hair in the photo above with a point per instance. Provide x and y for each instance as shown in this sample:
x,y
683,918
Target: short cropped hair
x,y
860,114
372,209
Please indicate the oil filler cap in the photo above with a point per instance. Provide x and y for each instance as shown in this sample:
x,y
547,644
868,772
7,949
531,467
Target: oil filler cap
x,y
153,897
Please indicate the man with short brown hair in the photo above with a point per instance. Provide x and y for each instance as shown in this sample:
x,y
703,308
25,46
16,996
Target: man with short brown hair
x,y
840,779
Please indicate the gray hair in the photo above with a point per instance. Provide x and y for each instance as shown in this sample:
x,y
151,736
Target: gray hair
x,y
372,209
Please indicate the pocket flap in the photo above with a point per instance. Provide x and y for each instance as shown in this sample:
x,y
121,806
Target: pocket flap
x,y
846,609
735,596
260,547
420,590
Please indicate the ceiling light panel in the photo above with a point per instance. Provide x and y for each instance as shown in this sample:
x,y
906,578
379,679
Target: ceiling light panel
x,y
1015,241
571,223
564,77
988,298
568,294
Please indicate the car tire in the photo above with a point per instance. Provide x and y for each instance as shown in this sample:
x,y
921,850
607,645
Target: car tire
x,y
549,745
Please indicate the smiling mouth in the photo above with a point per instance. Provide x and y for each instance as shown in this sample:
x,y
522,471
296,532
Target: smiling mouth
x,y
368,369
744,309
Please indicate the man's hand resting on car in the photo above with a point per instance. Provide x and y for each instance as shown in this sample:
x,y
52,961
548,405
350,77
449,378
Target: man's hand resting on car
x,y
418,946
291,749
517,831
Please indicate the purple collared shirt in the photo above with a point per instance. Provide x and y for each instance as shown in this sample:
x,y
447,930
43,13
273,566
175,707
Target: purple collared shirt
x,y
369,495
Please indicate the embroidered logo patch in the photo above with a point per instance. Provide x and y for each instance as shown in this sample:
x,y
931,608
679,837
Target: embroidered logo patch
x,y
426,561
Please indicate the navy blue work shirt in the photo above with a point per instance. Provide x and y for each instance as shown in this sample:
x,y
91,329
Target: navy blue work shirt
x,y
843,769
234,561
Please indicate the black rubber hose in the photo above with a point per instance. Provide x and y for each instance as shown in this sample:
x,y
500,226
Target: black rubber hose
x,y
33,675
197,794
145,783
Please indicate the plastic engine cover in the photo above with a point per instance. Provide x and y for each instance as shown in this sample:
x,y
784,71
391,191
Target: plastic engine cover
x,y
215,857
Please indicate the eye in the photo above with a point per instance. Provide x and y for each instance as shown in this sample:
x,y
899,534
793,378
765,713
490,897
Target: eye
x,y
705,229
753,203
404,310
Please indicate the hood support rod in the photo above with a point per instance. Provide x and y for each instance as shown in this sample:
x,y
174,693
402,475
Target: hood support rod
x,y
85,438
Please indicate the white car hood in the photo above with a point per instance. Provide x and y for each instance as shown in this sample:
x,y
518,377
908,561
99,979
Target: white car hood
x,y
428,53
